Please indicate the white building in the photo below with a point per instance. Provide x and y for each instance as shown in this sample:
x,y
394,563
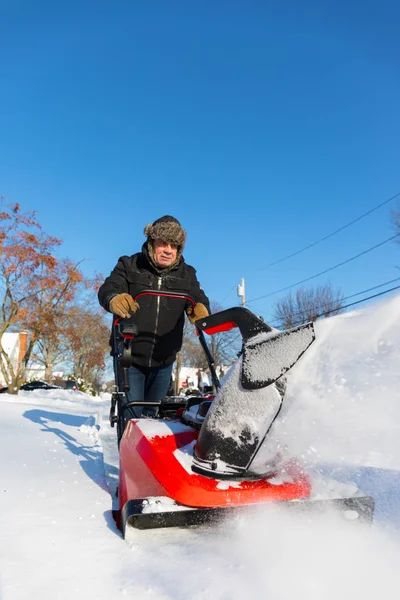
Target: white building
x,y
190,377
15,345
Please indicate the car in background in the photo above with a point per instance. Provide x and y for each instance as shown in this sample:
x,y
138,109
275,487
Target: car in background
x,y
33,385
71,384
66,384
38,385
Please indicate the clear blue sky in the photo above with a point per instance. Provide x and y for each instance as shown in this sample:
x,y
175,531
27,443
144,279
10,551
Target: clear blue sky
x,y
262,126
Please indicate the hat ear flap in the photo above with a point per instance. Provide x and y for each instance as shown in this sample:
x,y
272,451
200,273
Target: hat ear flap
x,y
148,230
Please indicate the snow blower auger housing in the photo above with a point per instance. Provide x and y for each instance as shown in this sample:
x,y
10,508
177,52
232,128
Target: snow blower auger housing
x,y
199,467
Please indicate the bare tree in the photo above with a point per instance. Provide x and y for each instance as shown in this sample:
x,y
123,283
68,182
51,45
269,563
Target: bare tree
x,y
52,348
308,305
395,216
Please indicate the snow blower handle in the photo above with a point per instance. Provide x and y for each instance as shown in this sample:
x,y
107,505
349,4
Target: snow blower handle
x,y
128,328
199,333
165,294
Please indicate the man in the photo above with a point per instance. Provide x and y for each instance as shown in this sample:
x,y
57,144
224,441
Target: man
x,y
159,266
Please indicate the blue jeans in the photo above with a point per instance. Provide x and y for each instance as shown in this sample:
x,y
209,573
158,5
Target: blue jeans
x,y
147,384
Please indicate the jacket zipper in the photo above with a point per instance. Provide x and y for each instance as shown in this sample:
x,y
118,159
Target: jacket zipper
x,y
159,282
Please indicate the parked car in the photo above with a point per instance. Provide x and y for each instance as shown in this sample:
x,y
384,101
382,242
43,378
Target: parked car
x,y
71,384
38,385
33,385
66,384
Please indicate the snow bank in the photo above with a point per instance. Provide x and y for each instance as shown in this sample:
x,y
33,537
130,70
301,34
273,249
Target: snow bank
x,y
342,403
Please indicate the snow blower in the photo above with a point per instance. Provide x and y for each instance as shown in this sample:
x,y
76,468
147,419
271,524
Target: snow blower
x,y
200,466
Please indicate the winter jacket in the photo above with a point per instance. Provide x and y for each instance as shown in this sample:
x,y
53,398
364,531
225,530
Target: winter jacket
x,y
160,320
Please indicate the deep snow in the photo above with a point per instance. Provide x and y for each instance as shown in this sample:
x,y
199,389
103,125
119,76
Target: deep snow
x,y
341,413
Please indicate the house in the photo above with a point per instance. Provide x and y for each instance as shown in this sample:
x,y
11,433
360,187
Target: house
x,y
190,377
15,345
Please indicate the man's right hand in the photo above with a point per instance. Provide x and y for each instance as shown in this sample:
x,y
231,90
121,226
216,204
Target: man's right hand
x,y
123,305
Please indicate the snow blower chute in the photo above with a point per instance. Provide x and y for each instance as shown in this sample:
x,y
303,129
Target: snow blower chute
x,y
249,401
187,470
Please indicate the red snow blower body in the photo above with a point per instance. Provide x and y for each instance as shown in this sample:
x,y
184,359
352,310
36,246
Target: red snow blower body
x,y
204,464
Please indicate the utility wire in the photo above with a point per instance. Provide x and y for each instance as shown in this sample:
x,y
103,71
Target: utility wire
x,y
325,237
375,287
228,295
326,270
354,303
397,287
331,234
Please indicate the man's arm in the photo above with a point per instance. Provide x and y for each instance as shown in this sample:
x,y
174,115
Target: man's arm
x,y
196,291
115,283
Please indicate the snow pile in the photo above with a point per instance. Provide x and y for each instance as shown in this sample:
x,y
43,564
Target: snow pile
x,y
90,428
267,553
342,403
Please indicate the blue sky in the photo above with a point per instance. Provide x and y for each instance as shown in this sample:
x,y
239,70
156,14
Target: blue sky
x,y
261,126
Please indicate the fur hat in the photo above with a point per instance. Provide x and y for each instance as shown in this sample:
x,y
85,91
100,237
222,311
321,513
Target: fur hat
x,y
166,229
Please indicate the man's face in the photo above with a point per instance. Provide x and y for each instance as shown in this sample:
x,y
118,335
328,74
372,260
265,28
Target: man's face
x,y
164,253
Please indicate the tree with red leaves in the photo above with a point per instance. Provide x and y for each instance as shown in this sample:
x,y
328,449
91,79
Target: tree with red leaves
x,y
35,286
88,336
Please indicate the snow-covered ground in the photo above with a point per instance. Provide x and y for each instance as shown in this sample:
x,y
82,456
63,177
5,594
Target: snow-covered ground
x,y
58,462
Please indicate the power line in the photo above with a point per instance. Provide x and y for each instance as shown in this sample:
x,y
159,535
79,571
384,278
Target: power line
x,y
331,234
375,287
354,303
326,270
323,238
397,287
228,294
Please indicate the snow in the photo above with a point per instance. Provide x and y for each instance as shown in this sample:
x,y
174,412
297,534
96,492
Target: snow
x,y
341,403
184,455
153,428
161,504
242,415
341,414
226,485
249,410
269,355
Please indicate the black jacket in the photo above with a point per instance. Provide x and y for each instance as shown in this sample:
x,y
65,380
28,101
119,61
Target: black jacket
x,y
160,320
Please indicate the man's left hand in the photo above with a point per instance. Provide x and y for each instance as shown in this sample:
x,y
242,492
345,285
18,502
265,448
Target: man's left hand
x,y
198,311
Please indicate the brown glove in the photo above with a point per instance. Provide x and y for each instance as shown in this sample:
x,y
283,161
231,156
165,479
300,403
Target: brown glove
x,y
199,311
123,305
